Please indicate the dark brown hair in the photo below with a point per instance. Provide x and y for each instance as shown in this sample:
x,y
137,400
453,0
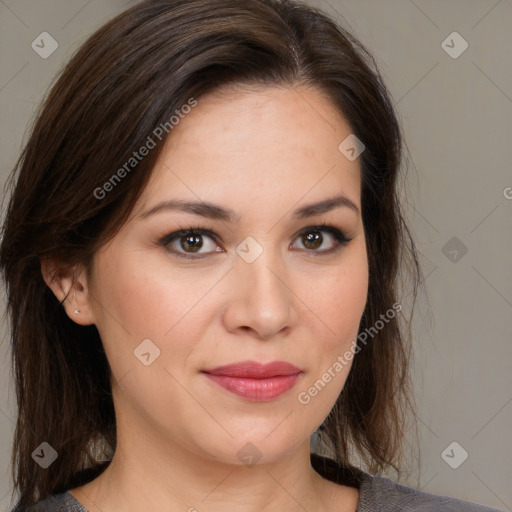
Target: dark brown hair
x,y
130,77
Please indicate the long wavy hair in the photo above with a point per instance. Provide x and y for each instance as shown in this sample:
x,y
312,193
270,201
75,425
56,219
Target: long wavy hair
x,y
128,78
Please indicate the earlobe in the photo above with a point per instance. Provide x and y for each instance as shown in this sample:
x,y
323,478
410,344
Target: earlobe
x,y
69,285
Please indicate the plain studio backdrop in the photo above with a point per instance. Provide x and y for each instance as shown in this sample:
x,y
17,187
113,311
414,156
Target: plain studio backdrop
x,y
447,65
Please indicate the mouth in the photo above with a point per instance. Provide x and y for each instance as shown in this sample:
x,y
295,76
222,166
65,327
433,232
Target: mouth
x,y
255,381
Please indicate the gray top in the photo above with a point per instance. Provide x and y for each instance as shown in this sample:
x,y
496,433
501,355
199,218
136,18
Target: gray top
x,y
377,494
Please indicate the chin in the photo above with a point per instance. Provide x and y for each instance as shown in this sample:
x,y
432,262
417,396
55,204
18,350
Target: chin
x,y
256,446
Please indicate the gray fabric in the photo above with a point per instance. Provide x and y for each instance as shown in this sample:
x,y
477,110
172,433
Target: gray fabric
x,y
377,494
64,502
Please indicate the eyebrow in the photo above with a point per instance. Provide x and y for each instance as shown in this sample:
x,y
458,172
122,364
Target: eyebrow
x,y
215,212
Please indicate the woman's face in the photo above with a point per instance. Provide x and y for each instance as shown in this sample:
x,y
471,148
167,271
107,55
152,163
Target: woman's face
x,y
266,284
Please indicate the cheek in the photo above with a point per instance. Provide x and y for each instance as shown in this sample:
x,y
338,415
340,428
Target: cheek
x,y
140,302
338,303
128,307
340,299
138,299
140,295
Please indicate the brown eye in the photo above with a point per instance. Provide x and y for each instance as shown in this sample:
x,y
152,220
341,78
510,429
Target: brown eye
x,y
191,242
313,238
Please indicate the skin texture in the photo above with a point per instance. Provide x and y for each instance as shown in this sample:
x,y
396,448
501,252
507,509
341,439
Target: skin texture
x,y
263,153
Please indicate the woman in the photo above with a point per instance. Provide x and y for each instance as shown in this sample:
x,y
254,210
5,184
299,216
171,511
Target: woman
x,y
203,220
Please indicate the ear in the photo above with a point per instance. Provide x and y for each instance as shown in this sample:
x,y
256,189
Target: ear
x,y
69,285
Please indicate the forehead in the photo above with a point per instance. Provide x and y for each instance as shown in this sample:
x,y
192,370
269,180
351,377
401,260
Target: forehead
x,y
279,140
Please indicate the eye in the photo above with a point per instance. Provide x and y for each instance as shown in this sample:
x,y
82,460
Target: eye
x,y
188,242
192,243
313,239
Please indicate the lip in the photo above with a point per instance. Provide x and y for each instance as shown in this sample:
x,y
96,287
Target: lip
x,y
256,381
255,370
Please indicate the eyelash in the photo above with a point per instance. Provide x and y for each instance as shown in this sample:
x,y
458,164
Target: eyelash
x,y
340,238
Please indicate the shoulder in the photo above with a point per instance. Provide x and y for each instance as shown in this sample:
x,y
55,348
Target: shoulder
x,y
64,502
383,495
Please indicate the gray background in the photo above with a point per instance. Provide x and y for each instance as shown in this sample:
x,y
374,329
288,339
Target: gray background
x,y
457,117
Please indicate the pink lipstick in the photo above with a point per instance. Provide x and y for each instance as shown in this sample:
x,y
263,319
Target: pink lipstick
x,y
255,381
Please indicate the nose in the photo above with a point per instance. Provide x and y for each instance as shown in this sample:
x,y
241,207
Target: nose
x,y
261,300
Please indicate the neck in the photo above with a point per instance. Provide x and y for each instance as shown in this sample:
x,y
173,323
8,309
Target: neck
x,y
184,481
151,472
